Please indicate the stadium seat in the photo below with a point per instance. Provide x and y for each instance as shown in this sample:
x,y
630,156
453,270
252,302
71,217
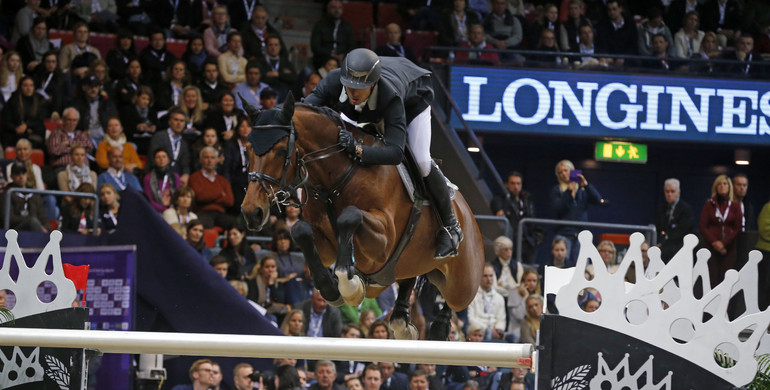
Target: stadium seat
x,y
359,13
387,13
210,236
380,37
10,152
38,157
617,239
420,41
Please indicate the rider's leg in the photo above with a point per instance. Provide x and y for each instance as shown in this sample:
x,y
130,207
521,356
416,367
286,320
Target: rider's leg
x,y
419,134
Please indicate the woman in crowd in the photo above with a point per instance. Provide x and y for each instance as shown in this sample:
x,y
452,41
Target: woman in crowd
x,y
516,305
114,138
290,265
293,322
531,323
128,85
195,238
558,252
232,64
366,319
208,138
236,164
687,40
110,205
77,172
78,215
52,84
194,56
119,57
548,20
720,222
569,39
180,213
160,182
238,253
508,271
379,330
268,291
140,119
329,66
169,92
10,74
608,253
192,106
224,117
456,24
24,115
215,37
100,69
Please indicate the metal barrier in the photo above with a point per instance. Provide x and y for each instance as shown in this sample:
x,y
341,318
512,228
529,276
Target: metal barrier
x,y
11,191
651,237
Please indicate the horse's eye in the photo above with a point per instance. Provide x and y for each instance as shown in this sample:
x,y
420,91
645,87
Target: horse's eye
x,y
281,152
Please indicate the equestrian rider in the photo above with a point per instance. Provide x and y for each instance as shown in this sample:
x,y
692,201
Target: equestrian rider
x,y
395,95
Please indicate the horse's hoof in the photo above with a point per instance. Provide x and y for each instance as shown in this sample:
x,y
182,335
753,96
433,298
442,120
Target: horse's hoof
x,y
352,290
439,331
403,330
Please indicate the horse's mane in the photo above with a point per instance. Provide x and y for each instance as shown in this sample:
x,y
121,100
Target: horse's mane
x,y
326,111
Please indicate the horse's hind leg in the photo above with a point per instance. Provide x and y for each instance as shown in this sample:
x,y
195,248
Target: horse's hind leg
x,y
350,285
439,329
326,284
399,319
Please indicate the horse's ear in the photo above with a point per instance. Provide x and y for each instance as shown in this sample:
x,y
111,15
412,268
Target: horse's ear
x,y
251,110
288,106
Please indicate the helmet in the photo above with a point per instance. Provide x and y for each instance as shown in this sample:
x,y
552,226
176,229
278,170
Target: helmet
x,y
361,69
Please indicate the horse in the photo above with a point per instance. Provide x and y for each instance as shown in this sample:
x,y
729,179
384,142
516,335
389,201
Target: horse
x,y
357,220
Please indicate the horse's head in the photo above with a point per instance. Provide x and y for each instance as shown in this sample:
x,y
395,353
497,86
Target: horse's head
x,y
271,144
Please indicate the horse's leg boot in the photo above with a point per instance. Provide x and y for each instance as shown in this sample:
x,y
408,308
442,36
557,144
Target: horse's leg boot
x,y
451,234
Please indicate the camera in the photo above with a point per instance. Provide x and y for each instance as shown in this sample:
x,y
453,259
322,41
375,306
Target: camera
x,y
257,375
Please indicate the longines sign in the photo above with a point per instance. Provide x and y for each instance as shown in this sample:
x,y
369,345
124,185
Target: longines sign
x,y
612,105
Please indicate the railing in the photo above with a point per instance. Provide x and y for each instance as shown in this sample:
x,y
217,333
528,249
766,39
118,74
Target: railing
x,y
651,236
11,191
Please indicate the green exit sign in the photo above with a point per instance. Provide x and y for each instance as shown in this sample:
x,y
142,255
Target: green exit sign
x,y
621,152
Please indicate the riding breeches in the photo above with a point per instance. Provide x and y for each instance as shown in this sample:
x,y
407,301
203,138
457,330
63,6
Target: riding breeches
x,y
418,133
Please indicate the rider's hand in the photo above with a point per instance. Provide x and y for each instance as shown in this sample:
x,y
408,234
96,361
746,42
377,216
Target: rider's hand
x,y
347,141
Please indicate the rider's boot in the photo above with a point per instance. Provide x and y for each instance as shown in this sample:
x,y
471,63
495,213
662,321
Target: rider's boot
x,y
450,235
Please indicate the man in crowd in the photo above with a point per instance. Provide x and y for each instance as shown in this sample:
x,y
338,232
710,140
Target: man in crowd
x,y
34,45
674,220
242,377
325,374
213,194
332,36
64,137
392,380
503,30
744,53
393,46
321,320
740,188
515,205
95,108
254,37
476,40
201,376
488,307
210,85
250,89
27,210
617,34
116,175
372,377
171,140
278,71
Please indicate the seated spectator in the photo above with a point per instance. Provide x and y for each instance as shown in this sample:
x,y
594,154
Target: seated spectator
x,y
328,66
119,58
194,57
418,380
254,36
134,16
210,85
617,34
24,156
293,322
677,13
169,92
531,324
24,21
33,46
95,108
116,174
310,84
548,20
171,140
78,215
126,87
503,30
372,377
192,107
194,236
213,194
508,271
155,59
101,15
391,379
215,37
660,51
455,26
78,48
115,139
586,48
238,253
250,88
366,319
209,138
140,119
269,292
232,64
569,32
687,40
650,27
100,69
23,115
749,62
546,43
224,116
11,72
290,266
322,320
242,377
488,307
723,17
517,297
219,263
608,254
708,49
76,172
64,138
287,220
110,204
379,330
201,376
332,36
160,181
278,71
477,41
180,213
394,47
27,210
268,98
52,84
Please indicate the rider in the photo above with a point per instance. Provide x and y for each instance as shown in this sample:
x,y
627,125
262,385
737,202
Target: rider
x,y
395,95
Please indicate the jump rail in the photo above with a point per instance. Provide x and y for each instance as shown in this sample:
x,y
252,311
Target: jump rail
x,y
204,344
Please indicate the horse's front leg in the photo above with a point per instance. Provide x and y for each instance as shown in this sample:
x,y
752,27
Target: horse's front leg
x,y
350,285
400,323
302,233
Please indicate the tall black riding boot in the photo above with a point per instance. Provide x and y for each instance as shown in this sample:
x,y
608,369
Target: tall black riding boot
x,y
450,235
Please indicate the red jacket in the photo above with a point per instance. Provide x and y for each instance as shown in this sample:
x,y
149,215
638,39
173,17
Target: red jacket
x,y
725,229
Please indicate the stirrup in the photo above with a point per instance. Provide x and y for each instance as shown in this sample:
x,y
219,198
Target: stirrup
x,y
448,240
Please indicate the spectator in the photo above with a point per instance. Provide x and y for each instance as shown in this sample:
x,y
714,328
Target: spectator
x,y
488,307
617,34
211,87
78,215
323,320
531,324
161,181
720,223
140,119
171,140
349,369
119,59
366,319
558,252
78,48
27,211
290,216
241,12
372,377
290,266
24,22
99,69
208,138
722,17
708,49
24,156
517,297
278,71
192,106
169,92
33,46
133,15
748,62
687,40
351,314
215,37
391,379
194,57
269,292
508,271
310,84
258,30
232,64
110,203
673,221
23,115
514,205
201,376
569,201
546,43
11,72
354,383
293,322
287,377
177,20
101,15
52,84
328,66
569,32
155,59
66,137
609,254
213,194
591,305
76,172
763,245
126,87
660,51
250,88
478,42
455,28
651,27
393,47
238,253
116,174
220,264
741,187
225,116
115,139
242,377
587,49
503,30
95,108
325,372
216,372
180,213
332,36
677,13
548,20
195,238
268,98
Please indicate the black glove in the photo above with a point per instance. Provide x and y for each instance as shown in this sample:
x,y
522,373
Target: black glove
x,y
347,141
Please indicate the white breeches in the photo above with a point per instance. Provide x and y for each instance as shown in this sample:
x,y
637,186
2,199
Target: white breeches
x,y
418,133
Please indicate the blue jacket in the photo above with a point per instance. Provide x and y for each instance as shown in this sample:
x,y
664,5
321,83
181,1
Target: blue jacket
x,y
573,209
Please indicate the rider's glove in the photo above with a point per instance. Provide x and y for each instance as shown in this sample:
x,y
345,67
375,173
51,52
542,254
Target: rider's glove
x,y
349,143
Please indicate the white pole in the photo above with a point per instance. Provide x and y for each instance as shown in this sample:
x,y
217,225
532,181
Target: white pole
x,y
204,344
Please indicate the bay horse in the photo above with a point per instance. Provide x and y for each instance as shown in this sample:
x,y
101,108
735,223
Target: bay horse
x,y
359,217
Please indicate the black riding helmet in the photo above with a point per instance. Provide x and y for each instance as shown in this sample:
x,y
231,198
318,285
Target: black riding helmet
x,y
361,69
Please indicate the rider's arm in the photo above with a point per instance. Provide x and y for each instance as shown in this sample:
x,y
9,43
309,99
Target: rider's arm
x,y
395,137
